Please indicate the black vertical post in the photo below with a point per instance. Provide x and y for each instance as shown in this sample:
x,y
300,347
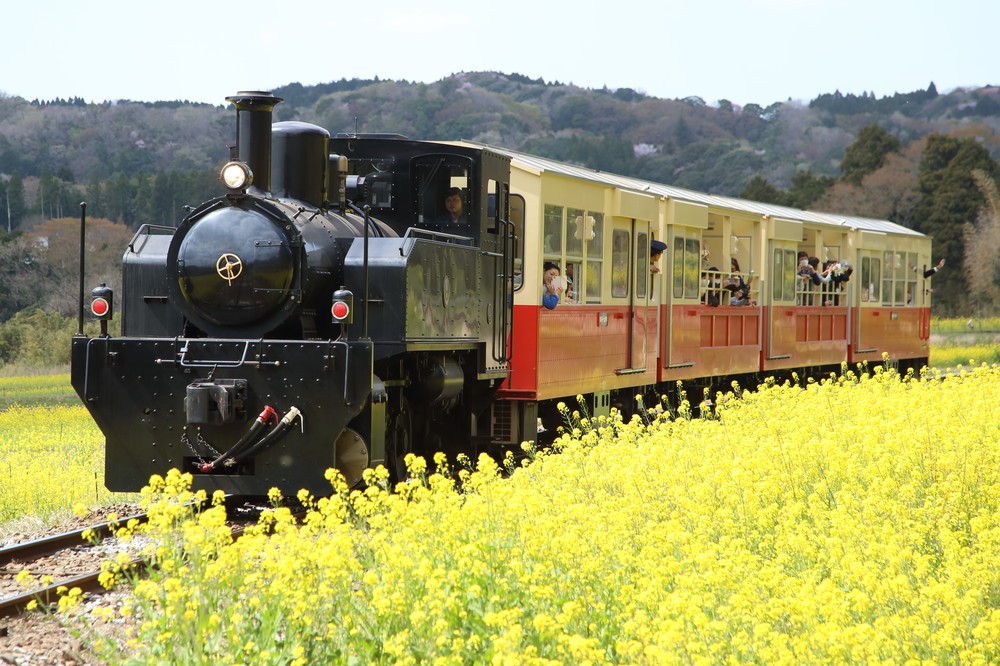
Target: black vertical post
x,y
364,279
83,251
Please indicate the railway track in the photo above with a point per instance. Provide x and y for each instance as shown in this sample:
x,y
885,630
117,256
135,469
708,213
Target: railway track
x,y
73,561
61,556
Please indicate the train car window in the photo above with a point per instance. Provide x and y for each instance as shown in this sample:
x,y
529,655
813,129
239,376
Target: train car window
x,y
593,252
552,232
899,279
871,278
619,263
594,280
574,239
517,208
783,268
911,279
641,264
686,276
576,232
893,278
677,275
789,274
692,266
584,245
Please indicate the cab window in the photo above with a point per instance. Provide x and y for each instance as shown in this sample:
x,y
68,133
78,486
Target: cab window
x,y
435,179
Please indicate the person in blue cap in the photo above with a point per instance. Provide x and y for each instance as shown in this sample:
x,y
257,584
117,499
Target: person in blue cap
x,y
656,249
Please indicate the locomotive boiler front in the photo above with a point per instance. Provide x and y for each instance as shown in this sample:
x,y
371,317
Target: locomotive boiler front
x,y
234,266
245,268
263,260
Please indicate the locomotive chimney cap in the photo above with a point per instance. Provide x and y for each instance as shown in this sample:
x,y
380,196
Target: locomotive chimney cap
x,y
254,98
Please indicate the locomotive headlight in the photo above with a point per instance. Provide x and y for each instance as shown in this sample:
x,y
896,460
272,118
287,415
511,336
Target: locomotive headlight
x,y
237,176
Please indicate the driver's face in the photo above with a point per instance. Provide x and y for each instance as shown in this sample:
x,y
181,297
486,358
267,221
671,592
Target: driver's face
x,y
453,204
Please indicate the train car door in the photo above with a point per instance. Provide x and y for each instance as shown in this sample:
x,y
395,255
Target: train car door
x,y
642,311
643,315
780,301
870,284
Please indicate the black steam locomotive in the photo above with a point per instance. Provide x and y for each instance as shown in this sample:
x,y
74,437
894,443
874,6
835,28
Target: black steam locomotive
x,y
316,315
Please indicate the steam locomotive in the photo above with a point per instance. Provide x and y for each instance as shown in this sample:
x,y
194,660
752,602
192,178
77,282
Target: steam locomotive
x,y
321,312
309,317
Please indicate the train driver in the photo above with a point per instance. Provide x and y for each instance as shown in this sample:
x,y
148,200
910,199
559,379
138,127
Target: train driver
x,y
453,208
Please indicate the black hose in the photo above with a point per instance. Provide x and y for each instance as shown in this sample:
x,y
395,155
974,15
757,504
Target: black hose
x,y
272,437
248,437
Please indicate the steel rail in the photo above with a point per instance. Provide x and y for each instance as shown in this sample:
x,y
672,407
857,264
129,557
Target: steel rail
x,y
32,550
87,582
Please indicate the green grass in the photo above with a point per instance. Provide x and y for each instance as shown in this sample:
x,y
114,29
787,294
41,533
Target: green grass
x,y
36,390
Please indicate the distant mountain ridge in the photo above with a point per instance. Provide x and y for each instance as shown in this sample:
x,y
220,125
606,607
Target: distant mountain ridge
x,y
714,147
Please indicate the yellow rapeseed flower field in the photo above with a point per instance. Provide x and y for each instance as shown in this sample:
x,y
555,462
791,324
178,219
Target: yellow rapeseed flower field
x,y
51,459
853,520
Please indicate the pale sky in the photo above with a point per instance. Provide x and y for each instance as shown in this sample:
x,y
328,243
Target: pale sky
x,y
760,51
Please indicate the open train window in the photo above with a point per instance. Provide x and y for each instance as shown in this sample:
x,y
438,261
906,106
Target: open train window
x,y
435,179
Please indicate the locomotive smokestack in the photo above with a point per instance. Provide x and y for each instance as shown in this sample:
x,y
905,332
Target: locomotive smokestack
x,y
253,133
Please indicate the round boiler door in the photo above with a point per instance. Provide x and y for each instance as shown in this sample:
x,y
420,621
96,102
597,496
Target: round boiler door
x,y
235,266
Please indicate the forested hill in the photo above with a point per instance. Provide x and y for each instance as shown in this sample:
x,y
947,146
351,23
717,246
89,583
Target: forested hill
x,y
707,145
136,162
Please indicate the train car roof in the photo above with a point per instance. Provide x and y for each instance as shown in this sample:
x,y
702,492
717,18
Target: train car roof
x,y
540,165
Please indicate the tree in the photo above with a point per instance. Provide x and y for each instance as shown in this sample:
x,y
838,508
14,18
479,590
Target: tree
x,y
806,188
57,249
23,276
759,189
15,207
982,247
889,193
867,153
682,133
949,200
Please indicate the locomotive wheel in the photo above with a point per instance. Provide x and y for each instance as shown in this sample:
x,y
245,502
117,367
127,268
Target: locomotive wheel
x,y
399,440
351,456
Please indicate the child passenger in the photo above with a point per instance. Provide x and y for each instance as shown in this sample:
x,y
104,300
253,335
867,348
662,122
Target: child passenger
x,y
553,285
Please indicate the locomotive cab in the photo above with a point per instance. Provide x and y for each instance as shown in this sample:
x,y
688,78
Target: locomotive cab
x,y
408,188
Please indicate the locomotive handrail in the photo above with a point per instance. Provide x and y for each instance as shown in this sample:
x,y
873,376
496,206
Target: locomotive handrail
x,y
503,331
144,231
433,235
184,363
